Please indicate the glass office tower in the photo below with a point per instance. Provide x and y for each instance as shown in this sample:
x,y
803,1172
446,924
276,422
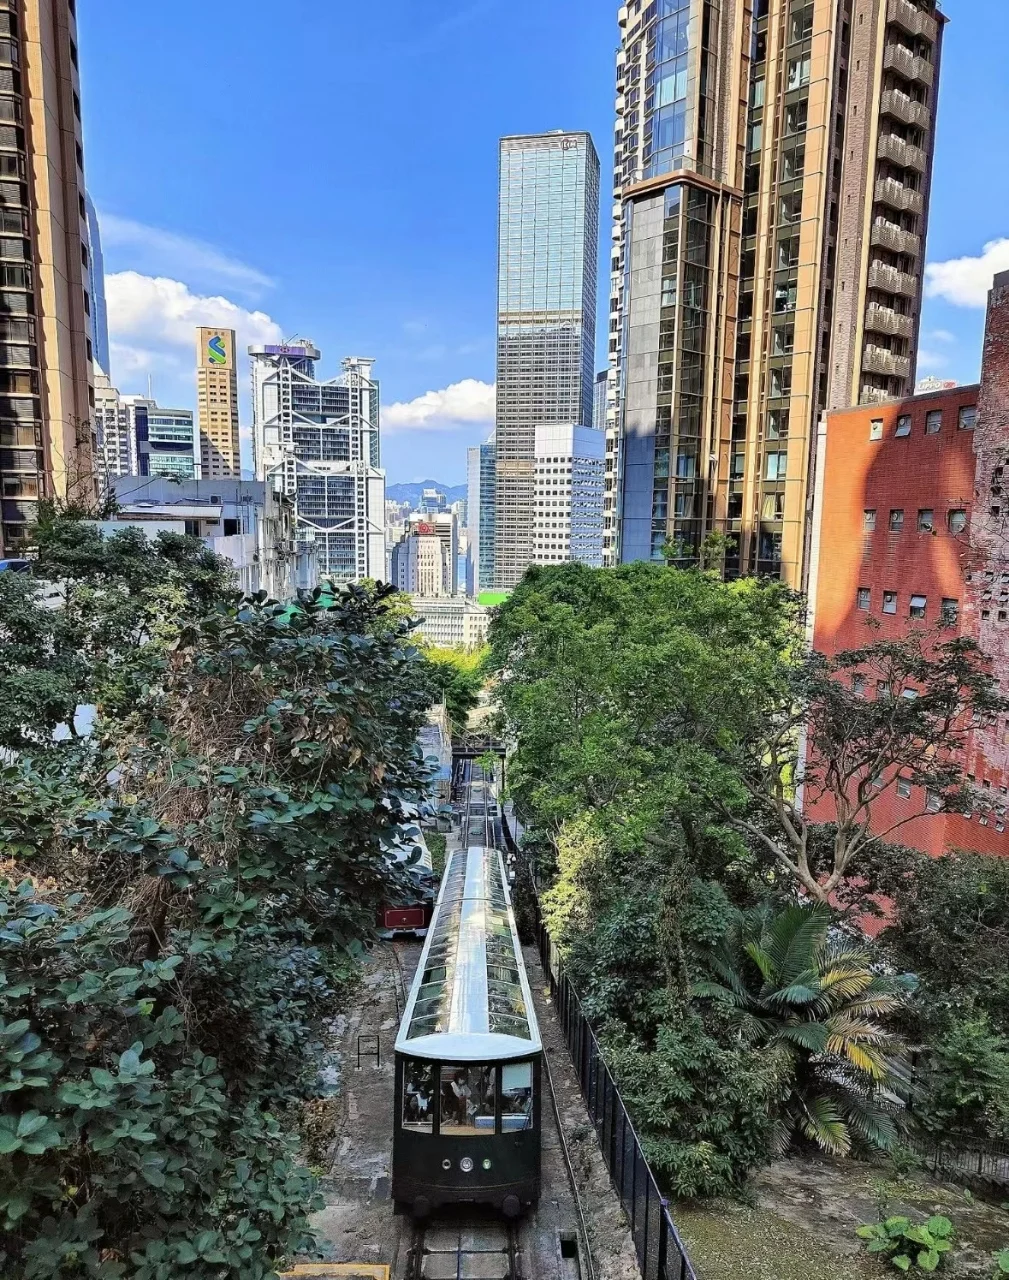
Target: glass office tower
x,y
547,265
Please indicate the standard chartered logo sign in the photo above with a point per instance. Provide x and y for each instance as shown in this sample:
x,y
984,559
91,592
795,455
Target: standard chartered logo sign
x,y
217,353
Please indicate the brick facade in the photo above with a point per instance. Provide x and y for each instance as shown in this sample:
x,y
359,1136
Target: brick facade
x,y
913,533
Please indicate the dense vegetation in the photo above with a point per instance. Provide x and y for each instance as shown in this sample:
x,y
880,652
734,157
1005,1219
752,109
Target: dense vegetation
x,y
182,894
658,717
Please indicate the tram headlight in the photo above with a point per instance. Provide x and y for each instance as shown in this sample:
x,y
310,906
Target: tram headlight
x,y
446,1164
486,1164
466,1164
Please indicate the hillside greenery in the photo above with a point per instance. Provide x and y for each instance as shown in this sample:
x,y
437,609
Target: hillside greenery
x,y
184,894
663,723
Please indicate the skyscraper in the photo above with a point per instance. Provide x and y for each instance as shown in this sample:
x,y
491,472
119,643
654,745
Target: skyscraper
x,y
773,167
96,275
547,267
318,442
217,397
481,478
46,434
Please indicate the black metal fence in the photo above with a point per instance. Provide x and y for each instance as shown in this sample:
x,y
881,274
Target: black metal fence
x,y
965,1156
661,1254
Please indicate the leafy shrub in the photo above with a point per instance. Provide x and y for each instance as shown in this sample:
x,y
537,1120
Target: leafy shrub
x,y
909,1246
963,1080
182,906
703,1110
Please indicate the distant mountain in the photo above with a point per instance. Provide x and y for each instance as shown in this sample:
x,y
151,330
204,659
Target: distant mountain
x,y
411,492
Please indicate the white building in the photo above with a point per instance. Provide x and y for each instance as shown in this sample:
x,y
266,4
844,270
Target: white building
x,y
318,443
452,622
137,437
241,520
568,502
420,563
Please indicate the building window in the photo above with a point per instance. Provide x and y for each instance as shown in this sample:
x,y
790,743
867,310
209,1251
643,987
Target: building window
x,y
889,602
858,684
957,520
903,425
926,520
869,519
863,598
968,418
904,787
876,429
896,519
917,609
933,422
950,612
777,466
798,72
933,802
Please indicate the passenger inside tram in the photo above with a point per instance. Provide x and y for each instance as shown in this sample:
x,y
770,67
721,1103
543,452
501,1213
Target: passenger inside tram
x,y
467,1099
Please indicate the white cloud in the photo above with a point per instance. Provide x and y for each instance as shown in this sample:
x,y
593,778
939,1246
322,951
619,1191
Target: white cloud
x,y
931,361
941,335
466,402
965,281
153,250
150,313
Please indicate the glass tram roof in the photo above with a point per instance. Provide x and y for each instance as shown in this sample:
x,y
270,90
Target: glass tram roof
x,y
470,999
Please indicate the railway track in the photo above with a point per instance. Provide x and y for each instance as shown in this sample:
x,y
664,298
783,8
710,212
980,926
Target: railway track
x,y
466,1249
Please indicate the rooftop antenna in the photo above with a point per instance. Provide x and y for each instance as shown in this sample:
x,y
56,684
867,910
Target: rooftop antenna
x,y
150,386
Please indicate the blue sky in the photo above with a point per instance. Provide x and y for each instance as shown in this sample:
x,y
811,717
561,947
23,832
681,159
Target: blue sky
x,y
292,169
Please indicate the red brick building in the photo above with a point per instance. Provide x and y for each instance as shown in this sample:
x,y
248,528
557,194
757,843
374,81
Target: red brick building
x,y
912,531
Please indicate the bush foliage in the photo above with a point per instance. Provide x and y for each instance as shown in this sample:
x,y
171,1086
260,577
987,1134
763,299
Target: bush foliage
x,y
183,896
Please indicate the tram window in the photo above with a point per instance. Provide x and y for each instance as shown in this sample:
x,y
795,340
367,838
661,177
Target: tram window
x,y
516,1096
418,1096
467,1100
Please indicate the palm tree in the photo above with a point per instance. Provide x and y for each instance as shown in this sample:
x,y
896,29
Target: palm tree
x,y
811,996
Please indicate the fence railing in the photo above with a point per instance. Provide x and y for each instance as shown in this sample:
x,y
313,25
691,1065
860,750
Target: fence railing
x,y
965,1156
660,1250
661,1254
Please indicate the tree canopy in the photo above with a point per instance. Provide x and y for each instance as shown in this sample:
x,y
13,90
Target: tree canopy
x,y
182,898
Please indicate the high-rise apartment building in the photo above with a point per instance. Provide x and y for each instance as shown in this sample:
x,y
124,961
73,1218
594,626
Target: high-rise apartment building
x,y
96,277
568,520
773,168
116,445
547,268
46,389
481,478
217,398
318,442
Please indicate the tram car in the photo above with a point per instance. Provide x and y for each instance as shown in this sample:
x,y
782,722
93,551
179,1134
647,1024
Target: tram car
x,y
413,915
468,1054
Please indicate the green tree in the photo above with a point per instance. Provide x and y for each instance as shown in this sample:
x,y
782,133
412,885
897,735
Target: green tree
x,y
185,898
838,736
43,674
459,676
813,997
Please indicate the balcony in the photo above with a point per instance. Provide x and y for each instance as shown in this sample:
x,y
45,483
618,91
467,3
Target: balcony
x,y
885,320
905,109
908,64
874,395
890,236
890,280
898,196
915,21
895,149
879,360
